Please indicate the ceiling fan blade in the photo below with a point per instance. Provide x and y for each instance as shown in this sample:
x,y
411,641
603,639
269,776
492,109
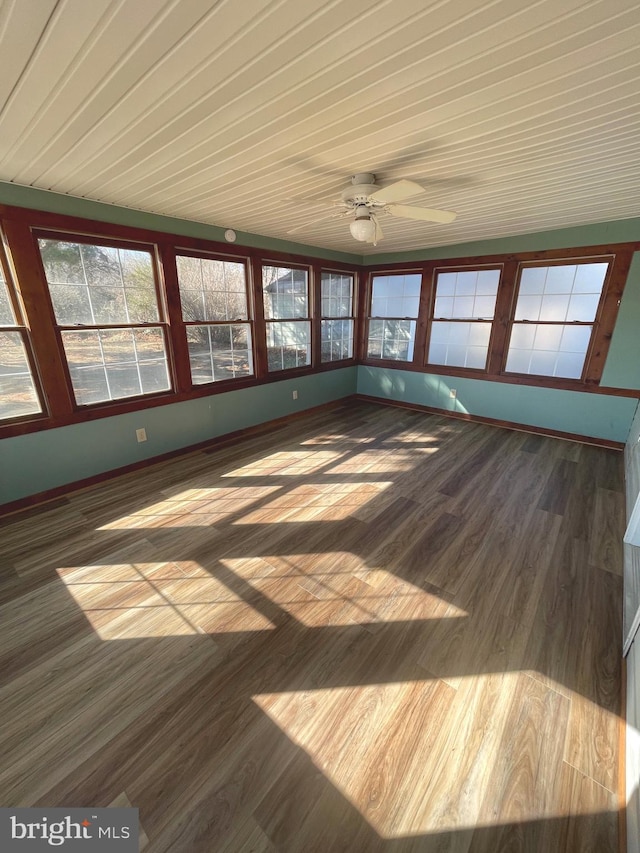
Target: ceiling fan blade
x,y
424,213
396,192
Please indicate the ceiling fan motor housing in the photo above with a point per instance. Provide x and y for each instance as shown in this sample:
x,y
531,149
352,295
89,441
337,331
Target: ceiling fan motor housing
x,y
362,186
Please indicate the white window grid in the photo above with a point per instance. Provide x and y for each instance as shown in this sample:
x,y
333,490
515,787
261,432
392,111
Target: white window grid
x,y
466,294
236,354
232,276
92,290
336,343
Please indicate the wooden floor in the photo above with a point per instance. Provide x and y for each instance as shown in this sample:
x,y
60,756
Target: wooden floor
x,y
369,630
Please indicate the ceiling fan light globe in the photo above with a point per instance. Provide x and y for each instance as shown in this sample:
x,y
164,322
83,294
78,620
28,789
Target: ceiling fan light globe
x,y
362,230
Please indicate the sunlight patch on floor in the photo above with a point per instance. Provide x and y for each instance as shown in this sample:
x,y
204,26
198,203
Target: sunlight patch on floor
x,y
316,502
335,588
343,439
290,463
193,508
134,600
375,461
418,757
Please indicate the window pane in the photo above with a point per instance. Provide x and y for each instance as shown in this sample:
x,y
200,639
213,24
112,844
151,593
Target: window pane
x,y
288,344
392,339
560,279
523,336
108,304
519,360
547,337
62,262
590,278
575,339
395,295
379,306
286,293
459,344
466,283
556,350
447,283
138,306
219,352
18,394
89,384
444,306
569,365
543,363
463,307
532,280
470,294
109,364
528,307
554,307
583,307
192,302
124,380
71,304
336,295
118,346
212,289
487,282
87,283
337,340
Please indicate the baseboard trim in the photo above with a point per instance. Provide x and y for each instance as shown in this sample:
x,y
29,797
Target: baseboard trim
x,y
34,501
464,416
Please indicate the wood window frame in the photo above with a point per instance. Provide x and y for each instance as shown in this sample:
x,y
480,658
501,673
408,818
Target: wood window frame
x,y
420,329
162,322
21,328
178,320
599,337
319,271
477,372
310,318
620,255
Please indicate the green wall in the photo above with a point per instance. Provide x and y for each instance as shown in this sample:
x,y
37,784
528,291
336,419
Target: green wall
x,y
622,369
43,460
590,415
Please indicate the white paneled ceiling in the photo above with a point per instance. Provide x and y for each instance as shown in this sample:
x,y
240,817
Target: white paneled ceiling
x,y
253,115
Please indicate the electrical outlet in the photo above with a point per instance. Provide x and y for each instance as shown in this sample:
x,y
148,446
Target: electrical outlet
x,y
295,395
141,434
453,393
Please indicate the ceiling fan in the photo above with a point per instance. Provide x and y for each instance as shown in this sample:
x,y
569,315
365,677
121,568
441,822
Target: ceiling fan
x,y
365,200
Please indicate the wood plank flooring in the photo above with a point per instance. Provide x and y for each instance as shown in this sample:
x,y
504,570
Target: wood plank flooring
x,y
368,630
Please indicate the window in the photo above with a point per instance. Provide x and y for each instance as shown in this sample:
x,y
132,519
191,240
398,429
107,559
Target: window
x,y
465,303
106,305
213,295
394,309
286,311
554,318
19,395
337,316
